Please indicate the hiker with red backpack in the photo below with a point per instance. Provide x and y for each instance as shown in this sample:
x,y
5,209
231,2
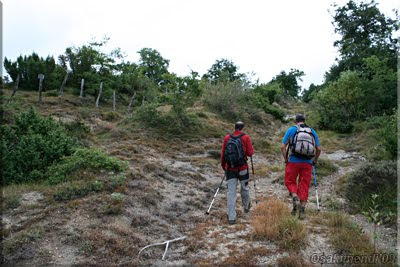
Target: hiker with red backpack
x,y
237,147
300,151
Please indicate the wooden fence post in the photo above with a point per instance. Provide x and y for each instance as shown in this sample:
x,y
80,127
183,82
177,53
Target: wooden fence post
x,y
98,97
63,84
41,78
130,103
81,93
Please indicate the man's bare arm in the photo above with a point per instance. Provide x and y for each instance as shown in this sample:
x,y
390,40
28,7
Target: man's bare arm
x,y
283,150
317,154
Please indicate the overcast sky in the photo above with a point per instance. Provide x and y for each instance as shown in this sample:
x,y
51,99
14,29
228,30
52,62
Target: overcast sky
x,y
260,36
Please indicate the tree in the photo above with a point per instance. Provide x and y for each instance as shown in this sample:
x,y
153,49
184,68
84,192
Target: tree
x,y
339,104
29,67
365,31
310,93
152,64
223,70
288,81
89,62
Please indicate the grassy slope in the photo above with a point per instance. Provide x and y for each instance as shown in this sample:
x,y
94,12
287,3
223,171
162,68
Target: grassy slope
x,y
167,189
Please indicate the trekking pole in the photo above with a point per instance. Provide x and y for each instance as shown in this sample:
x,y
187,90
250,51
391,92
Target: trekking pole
x,y
315,185
255,188
216,192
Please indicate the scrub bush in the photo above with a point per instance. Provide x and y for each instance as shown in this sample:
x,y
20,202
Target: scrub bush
x,y
83,158
30,145
374,178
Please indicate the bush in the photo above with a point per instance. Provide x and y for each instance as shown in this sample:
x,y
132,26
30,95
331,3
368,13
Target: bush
x,y
339,103
263,96
81,188
31,145
374,178
174,121
274,111
83,158
226,99
388,135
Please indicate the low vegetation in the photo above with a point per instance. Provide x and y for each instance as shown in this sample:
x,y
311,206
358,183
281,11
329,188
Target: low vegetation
x,y
30,145
346,237
377,178
271,220
71,167
325,167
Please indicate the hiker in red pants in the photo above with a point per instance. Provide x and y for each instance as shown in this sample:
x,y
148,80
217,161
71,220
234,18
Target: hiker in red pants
x,y
300,150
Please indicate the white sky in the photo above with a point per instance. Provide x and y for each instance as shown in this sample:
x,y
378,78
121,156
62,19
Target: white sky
x,y
259,36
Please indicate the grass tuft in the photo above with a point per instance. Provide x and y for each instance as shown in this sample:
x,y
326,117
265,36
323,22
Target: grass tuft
x,y
272,221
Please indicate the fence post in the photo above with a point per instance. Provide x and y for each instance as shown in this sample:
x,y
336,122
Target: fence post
x,y
63,84
98,97
81,93
41,78
130,103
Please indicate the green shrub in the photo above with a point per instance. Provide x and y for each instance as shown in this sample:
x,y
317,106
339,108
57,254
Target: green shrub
x,y
83,158
30,145
263,97
388,135
339,103
374,178
174,121
77,189
226,99
274,111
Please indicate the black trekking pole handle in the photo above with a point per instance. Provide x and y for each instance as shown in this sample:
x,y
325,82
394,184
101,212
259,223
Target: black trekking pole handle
x,y
216,192
254,177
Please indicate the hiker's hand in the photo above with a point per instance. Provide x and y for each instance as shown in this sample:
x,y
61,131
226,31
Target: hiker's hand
x,y
314,162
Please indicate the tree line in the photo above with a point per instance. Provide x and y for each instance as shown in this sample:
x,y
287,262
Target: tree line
x,y
360,84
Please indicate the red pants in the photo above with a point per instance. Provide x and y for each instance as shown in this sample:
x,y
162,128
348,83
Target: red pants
x,y
303,170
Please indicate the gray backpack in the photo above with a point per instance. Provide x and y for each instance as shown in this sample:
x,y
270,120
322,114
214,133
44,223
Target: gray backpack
x,y
303,143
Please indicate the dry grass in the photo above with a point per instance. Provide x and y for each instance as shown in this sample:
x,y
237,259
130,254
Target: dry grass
x,y
272,221
340,184
267,217
292,234
247,258
346,236
262,171
292,261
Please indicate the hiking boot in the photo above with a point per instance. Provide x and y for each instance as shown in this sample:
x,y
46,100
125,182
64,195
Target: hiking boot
x,y
248,209
231,222
296,204
302,214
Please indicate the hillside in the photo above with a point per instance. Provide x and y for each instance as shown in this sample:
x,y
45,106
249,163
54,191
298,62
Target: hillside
x,y
165,191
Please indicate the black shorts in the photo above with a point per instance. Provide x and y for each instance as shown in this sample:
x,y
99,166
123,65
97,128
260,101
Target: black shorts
x,y
237,175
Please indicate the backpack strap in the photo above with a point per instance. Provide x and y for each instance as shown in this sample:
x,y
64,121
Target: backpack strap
x,y
236,137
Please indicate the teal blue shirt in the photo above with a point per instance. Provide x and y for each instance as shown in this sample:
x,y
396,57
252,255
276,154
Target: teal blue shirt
x,y
289,135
